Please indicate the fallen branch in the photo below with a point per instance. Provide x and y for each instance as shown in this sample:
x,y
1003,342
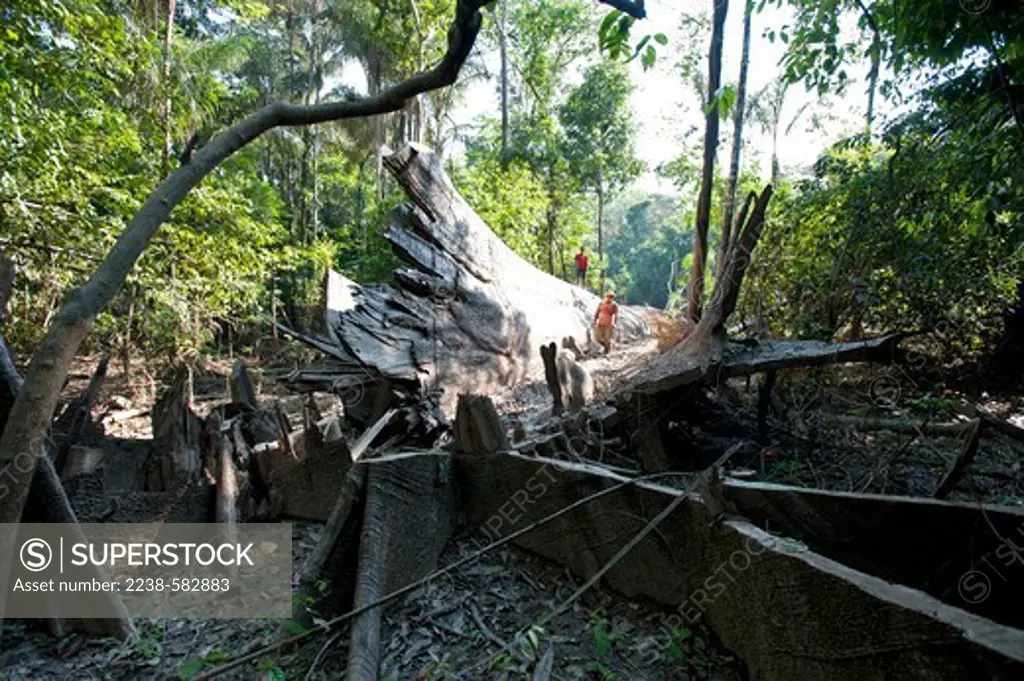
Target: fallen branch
x,y
967,454
895,425
1008,429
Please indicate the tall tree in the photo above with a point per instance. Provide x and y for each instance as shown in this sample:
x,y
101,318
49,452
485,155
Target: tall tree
x,y
711,117
600,138
503,49
168,44
739,113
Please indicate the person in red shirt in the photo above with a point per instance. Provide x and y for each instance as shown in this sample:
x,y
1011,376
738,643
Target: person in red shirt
x,y
605,319
581,268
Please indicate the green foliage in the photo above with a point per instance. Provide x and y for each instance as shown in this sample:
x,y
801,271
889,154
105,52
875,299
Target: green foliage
x,y
599,131
511,200
871,240
614,38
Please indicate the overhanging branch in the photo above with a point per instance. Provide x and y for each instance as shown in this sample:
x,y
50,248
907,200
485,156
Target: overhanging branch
x,y
634,8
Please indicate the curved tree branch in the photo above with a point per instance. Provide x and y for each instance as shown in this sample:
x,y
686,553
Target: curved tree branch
x,y
30,415
634,8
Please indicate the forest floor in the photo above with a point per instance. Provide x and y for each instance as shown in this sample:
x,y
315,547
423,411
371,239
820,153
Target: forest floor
x,y
452,628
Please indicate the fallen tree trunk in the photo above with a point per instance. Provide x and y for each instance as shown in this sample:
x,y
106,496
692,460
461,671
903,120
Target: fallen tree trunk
x,y
469,314
788,612
895,425
680,367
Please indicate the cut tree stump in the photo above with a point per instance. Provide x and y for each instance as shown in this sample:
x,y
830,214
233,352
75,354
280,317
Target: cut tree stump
x,y
547,355
469,314
787,611
478,427
409,518
177,438
72,423
242,392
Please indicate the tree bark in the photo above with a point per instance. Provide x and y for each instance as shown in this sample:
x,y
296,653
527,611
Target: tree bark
x,y
737,142
700,241
469,315
876,62
168,41
503,51
6,285
600,231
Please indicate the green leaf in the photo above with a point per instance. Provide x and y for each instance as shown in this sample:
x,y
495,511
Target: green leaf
x,y
661,38
650,55
190,669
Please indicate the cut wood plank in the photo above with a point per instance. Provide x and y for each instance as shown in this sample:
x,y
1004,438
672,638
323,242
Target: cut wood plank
x,y
919,542
788,612
409,518
327,580
371,433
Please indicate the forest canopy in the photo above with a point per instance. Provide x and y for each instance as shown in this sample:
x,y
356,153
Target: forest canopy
x,y
903,220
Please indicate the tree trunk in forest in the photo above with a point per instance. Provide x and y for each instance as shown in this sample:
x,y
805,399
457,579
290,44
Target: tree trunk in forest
x,y
6,285
469,315
737,142
503,50
600,234
551,215
168,41
700,241
876,61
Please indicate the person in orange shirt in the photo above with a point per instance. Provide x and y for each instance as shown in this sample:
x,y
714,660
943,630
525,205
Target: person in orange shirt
x,y
606,317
